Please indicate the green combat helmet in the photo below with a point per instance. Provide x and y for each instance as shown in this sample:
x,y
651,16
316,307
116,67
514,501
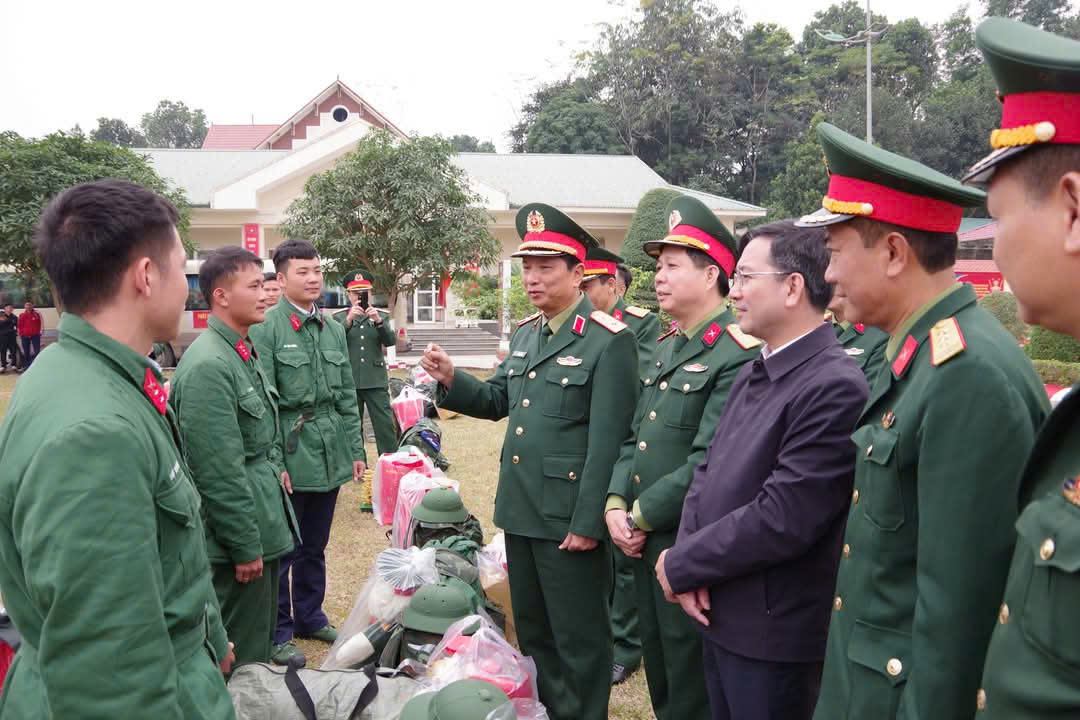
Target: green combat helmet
x,y
433,609
440,515
461,700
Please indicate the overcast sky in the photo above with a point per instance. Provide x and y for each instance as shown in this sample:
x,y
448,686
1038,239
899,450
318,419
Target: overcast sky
x,y
430,66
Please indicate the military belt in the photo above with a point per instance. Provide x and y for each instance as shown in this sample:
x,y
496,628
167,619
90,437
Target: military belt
x,y
307,414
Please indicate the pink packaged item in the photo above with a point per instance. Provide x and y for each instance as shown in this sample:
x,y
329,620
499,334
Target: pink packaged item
x,y
389,469
411,491
408,407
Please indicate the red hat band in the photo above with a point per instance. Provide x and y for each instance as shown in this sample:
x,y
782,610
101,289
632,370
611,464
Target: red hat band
x,y
599,267
358,285
850,196
551,240
698,238
1038,117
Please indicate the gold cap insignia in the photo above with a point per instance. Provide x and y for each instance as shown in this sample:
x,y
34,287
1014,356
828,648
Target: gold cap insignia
x,y
674,220
535,222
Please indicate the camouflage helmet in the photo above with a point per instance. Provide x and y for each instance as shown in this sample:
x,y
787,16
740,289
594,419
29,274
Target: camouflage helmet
x,y
441,505
436,607
461,700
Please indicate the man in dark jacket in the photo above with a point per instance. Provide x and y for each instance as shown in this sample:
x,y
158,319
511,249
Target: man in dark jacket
x,y
9,353
761,528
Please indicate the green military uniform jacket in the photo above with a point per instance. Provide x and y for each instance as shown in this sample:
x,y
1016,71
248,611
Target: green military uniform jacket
x,y
306,358
645,326
1033,663
366,342
683,394
102,555
570,404
865,345
938,454
227,411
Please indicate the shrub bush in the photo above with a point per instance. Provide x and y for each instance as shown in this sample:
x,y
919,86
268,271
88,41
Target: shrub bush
x,y
1048,345
650,222
1002,305
1054,372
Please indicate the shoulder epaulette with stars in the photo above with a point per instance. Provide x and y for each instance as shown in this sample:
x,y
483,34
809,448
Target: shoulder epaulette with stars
x,y
742,339
607,322
638,312
674,329
526,321
946,341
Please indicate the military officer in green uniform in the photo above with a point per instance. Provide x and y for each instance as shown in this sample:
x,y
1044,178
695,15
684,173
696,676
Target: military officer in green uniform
x,y
863,344
601,272
368,330
939,446
306,359
568,386
684,389
1033,663
228,419
102,552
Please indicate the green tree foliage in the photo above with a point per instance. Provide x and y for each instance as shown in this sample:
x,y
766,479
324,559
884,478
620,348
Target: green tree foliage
x,y
799,187
1002,305
402,210
650,222
1048,345
118,132
569,123
174,125
468,143
33,171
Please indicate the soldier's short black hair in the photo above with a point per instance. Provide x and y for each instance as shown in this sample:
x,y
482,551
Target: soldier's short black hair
x,y
220,265
795,249
292,250
625,275
268,276
1040,168
702,260
90,234
935,251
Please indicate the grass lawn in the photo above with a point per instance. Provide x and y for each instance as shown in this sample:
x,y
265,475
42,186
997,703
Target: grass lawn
x,y
473,449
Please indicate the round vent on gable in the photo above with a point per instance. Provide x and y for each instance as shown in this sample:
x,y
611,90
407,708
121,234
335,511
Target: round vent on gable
x,y
340,113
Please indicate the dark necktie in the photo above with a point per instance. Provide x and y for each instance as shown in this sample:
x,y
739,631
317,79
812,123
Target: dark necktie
x,y
680,341
545,334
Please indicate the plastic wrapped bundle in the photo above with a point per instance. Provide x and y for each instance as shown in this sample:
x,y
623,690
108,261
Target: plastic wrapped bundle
x,y
389,469
411,492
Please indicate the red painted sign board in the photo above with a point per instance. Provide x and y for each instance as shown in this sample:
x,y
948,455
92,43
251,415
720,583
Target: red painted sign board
x,y
199,319
984,282
251,237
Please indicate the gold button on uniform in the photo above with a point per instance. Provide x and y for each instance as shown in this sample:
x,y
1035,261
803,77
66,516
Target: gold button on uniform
x,y
515,459
519,430
565,380
642,445
663,385
637,478
648,381
838,602
980,700
1003,613
572,475
652,415
1046,550
525,402
510,371
894,667
532,375
686,387
847,550
855,498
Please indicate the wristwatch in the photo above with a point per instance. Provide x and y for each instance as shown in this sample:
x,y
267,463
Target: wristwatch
x,y
630,522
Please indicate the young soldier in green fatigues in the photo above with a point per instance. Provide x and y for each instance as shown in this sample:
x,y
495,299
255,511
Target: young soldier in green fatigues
x,y
368,331
1033,662
306,359
228,417
568,386
599,283
102,554
863,344
939,446
671,431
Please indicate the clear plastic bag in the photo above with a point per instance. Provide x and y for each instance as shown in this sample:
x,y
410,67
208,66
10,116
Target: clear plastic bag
x,y
408,407
491,560
380,605
483,655
411,491
389,469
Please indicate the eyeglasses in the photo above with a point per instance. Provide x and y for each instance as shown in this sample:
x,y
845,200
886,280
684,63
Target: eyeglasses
x,y
740,277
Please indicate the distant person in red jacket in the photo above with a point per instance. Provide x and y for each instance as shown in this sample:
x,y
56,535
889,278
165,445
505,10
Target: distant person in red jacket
x,y
30,333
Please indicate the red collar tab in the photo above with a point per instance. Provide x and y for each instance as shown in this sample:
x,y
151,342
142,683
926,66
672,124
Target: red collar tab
x,y
860,328
903,360
599,267
1038,118
579,325
851,196
712,335
242,350
617,314
551,240
698,238
154,391
294,320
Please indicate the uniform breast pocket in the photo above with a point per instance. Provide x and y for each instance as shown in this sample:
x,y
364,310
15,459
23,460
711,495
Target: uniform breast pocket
x,y
252,417
294,376
879,668
691,394
566,392
1049,532
561,475
515,376
877,477
180,539
337,368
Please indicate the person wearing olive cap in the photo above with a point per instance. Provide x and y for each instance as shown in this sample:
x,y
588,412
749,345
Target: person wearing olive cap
x,y
645,499
568,386
930,526
461,700
1034,193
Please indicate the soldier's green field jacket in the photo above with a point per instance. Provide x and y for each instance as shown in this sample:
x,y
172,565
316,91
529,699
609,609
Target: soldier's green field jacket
x,y
102,555
683,393
570,403
307,360
646,328
366,342
949,422
865,345
228,417
1033,663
